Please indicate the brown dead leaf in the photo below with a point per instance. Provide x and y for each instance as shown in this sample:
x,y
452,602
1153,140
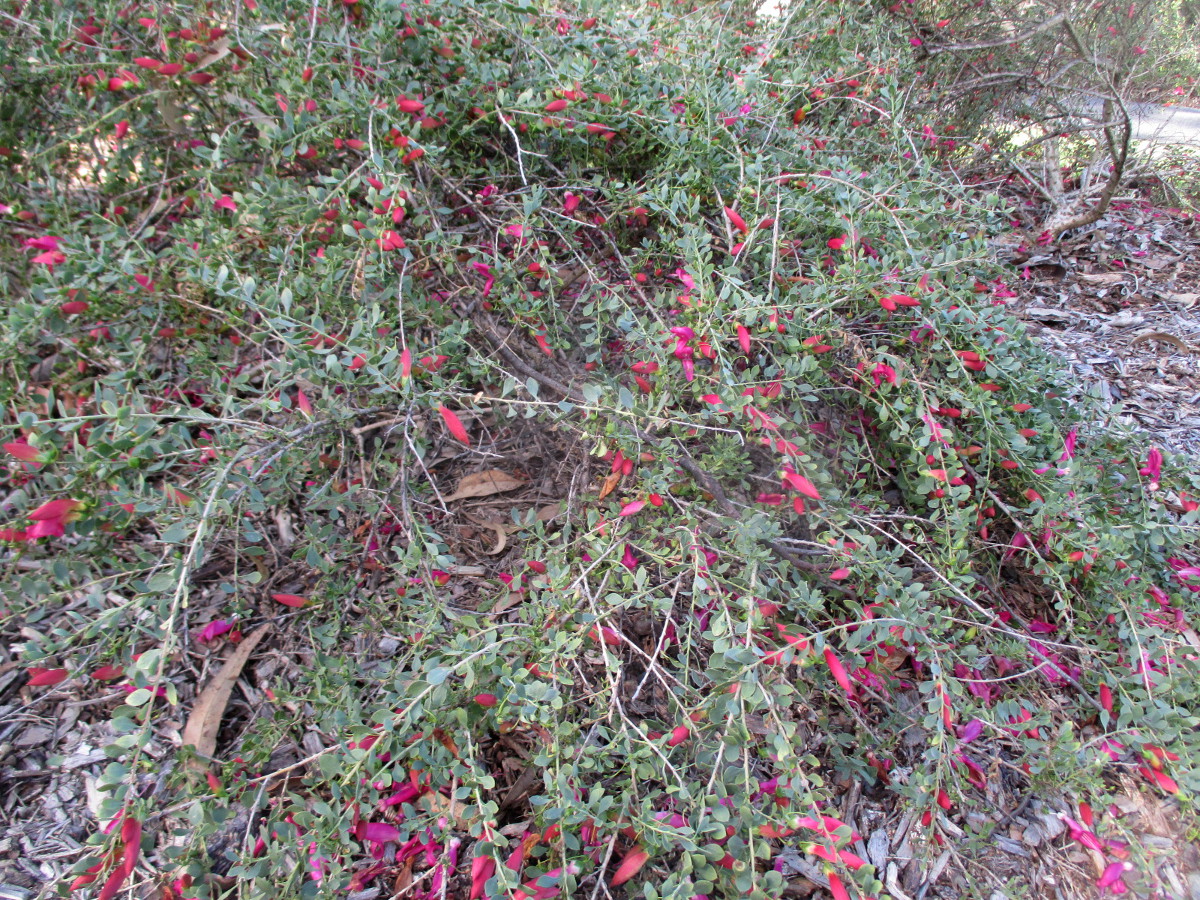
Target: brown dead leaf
x,y
507,602
610,484
549,512
500,529
1103,278
205,720
1186,299
485,484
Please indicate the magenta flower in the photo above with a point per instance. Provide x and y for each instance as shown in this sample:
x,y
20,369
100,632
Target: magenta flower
x,y
970,731
214,630
1153,468
628,560
1111,879
1069,445
883,372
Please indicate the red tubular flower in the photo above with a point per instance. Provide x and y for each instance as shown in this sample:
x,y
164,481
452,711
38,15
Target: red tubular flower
x,y
800,485
131,838
630,866
736,220
836,888
743,335
23,451
39,677
838,671
679,734
52,517
454,425
113,885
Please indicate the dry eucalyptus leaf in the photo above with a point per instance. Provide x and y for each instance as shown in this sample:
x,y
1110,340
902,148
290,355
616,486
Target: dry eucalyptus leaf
x,y
485,484
610,484
205,720
1162,336
549,512
507,602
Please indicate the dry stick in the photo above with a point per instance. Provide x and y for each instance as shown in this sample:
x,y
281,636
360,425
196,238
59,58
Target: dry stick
x,y
984,45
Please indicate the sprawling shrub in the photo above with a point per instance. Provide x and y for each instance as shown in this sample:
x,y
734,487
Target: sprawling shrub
x,y
799,502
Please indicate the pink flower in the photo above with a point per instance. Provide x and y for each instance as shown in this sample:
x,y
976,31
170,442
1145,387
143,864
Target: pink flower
x,y
43,242
836,243
1153,468
970,731
1111,878
377,832
50,259
882,373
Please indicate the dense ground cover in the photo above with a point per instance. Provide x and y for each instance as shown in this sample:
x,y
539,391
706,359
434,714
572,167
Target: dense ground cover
x,y
527,452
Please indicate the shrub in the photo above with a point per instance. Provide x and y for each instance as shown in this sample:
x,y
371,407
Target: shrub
x,y
814,488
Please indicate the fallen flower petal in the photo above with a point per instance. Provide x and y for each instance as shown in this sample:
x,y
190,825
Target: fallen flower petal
x,y
294,600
